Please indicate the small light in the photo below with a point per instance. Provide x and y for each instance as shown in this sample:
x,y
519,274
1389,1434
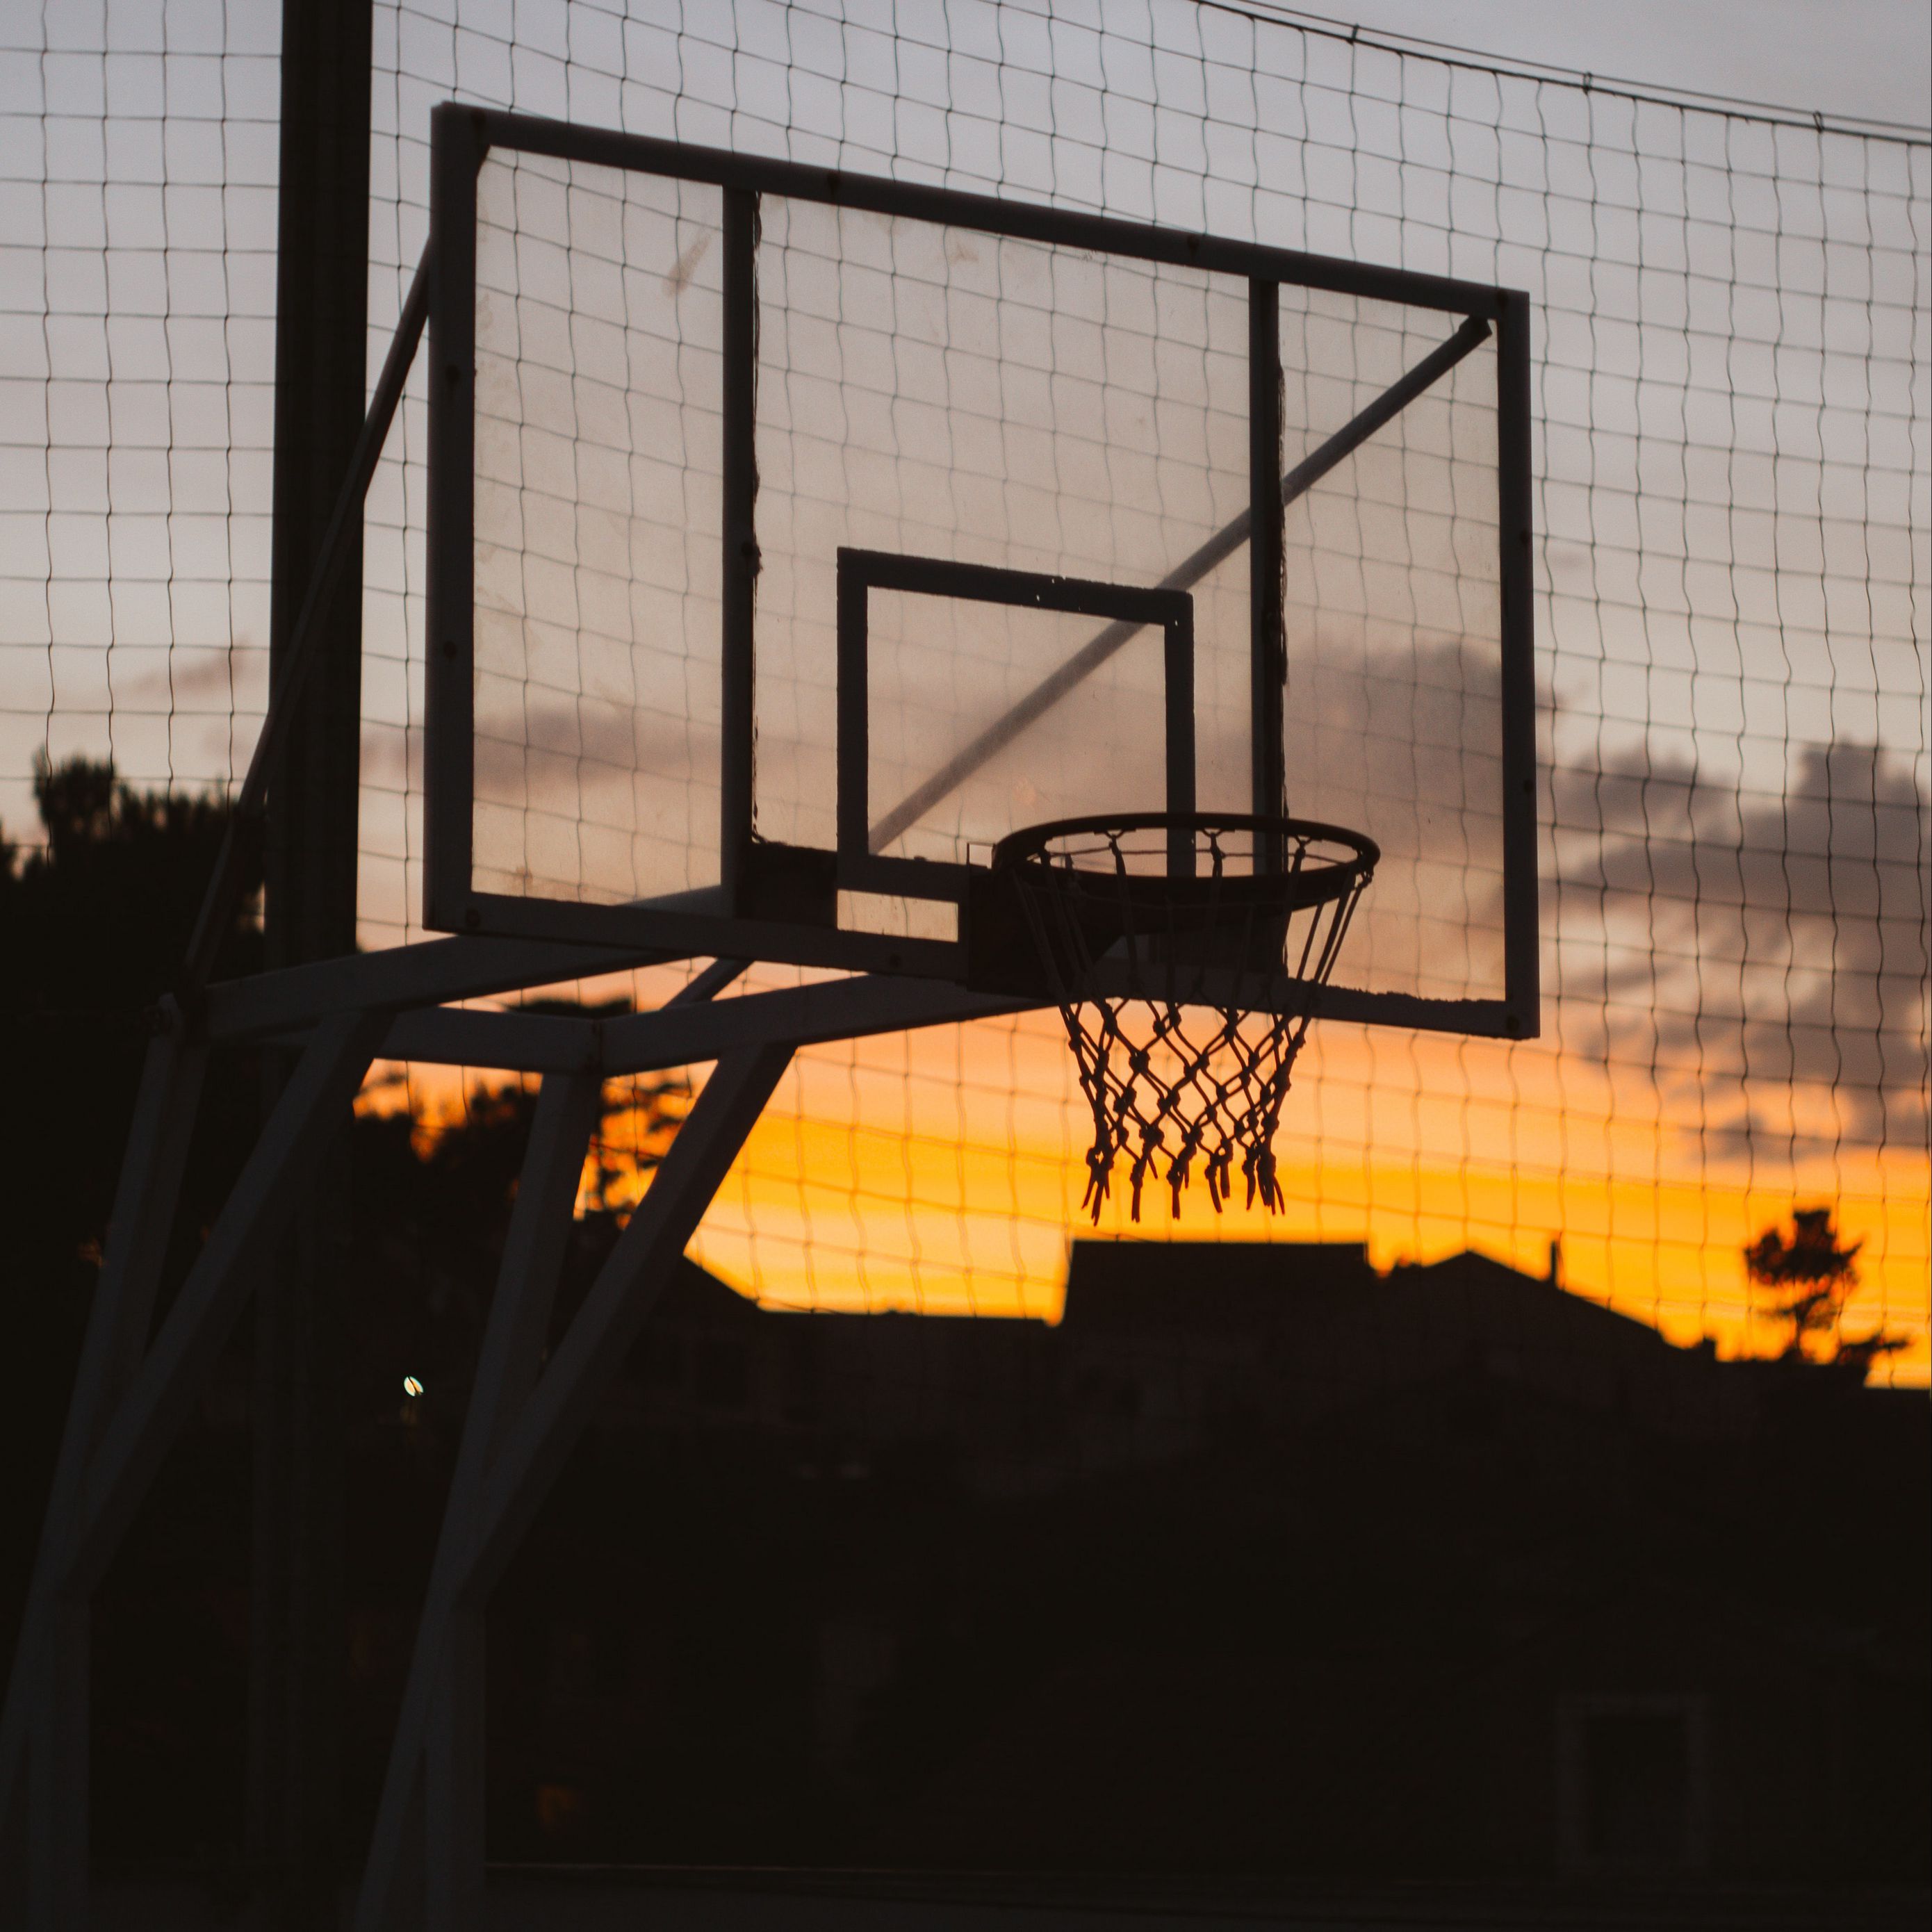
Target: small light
x,y
411,1386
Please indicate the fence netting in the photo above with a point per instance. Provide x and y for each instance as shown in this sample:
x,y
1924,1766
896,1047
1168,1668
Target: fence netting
x,y
1475,1513
1733,411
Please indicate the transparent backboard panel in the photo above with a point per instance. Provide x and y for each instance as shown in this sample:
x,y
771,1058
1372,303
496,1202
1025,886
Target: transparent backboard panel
x,y
1392,616
597,505
934,392
941,671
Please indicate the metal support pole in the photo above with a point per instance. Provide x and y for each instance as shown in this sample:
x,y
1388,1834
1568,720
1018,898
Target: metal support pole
x,y
57,1781
500,1490
321,327
297,1649
117,1327
449,1803
46,1727
129,1404
47,1713
455,1788
1268,663
312,1110
446,1801
1522,954
739,719
533,1256
590,1356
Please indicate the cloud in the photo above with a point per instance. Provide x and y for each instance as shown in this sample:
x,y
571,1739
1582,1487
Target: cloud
x,y
1766,951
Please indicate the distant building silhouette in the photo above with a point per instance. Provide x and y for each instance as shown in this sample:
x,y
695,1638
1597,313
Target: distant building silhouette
x,y
1164,1351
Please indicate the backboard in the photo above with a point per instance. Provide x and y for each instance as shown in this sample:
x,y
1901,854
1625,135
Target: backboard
x,y
796,535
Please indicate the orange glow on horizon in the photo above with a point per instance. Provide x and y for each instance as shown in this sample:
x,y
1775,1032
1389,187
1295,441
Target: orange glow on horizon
x,y
942,1172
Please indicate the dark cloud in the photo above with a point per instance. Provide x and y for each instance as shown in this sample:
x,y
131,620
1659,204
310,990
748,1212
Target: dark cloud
x,y
1746,943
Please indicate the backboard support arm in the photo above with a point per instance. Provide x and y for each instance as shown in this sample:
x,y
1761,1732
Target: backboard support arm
x,y
498,1493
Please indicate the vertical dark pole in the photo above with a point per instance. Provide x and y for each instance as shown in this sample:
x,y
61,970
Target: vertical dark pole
x,y
449,744
298,1647
1181,799
1270,655
741,533
855,716
1522,941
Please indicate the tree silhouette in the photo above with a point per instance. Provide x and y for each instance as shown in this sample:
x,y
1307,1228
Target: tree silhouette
x,y
1808,1276
435,1180
638,1120
96,917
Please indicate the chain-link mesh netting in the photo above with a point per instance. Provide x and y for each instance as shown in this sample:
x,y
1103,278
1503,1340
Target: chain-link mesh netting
x,y
1733,415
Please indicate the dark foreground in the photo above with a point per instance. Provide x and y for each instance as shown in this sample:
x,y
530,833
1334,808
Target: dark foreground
x,y
1436,1599
590,1899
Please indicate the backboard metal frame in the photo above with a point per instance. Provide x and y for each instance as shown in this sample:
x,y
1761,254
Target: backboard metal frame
x,y
743,913
861,867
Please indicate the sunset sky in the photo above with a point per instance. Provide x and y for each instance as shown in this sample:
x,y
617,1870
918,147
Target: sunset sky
x,y
944,1171
1733,411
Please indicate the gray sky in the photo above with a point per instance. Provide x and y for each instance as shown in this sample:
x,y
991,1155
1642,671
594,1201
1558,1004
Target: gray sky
x,y
1848,57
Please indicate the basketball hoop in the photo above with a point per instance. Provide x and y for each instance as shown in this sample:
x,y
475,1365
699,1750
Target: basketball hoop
x,y
1136,919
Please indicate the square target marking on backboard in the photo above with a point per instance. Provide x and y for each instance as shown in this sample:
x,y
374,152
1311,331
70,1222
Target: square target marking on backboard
x,y
795,536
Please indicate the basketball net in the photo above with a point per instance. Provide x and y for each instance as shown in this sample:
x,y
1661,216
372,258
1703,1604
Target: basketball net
x,y
1186,954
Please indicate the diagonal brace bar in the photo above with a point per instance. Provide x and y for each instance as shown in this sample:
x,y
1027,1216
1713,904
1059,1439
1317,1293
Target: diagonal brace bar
x,y
481,1530
240,842
117,1327
45,1730
453,1770
115,1440
311,1112
446,1662
540,1225
589,1357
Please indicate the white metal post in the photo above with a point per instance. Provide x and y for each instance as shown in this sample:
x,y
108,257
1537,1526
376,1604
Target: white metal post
x,y
455,1788
533,1255
314,1106
499,1492
46,1726
128,1404
57,1780
434,1776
